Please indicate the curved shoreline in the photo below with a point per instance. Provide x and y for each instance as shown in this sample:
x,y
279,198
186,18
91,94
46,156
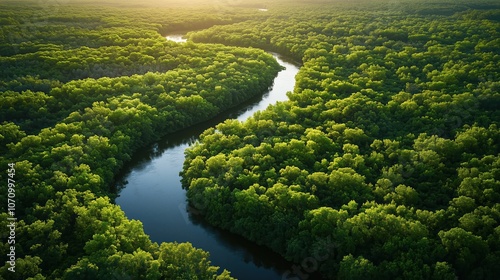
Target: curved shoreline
x,y
152,193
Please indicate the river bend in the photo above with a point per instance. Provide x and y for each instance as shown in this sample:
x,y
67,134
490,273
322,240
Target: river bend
x,y
151,192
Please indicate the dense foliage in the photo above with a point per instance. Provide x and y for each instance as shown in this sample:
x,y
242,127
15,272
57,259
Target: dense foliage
x,y
82,88
383,164
388,149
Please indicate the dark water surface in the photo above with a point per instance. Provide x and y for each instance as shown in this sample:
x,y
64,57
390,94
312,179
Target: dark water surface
x,y
151,192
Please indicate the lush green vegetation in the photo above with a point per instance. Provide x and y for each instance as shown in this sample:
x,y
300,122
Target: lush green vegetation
x,y
82,87
383,164
388,148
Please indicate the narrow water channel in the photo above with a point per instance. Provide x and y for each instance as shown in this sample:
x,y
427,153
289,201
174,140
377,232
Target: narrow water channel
x,y
151,192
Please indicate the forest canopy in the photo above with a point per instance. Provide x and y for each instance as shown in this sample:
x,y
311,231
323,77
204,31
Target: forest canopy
x,y
83,86
388,147
386,154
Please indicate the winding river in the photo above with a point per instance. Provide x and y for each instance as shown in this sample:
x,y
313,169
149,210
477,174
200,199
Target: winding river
x,y
150,191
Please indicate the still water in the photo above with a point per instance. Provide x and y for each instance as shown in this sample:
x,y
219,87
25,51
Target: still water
x,y
151,192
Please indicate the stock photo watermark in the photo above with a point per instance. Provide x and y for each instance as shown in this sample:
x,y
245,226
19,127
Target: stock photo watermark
x,y
26,26
11,216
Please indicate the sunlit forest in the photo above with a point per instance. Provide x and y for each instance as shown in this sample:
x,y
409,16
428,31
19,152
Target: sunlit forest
x,y
383,164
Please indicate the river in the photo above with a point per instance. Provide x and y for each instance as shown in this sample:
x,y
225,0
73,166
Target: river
x,y
151,192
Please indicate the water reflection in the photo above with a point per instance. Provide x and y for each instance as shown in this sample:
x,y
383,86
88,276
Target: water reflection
x,y
150,191
179,38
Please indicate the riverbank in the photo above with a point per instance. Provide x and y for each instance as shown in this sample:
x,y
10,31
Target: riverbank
x,y
153,194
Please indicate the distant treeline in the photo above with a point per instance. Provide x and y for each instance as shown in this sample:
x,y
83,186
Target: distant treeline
x,y
81,88
385,162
